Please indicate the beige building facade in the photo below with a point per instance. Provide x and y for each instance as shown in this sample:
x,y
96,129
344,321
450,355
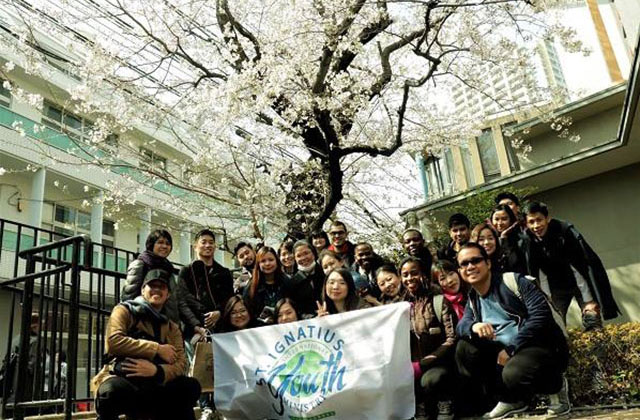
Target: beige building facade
x,y
589,175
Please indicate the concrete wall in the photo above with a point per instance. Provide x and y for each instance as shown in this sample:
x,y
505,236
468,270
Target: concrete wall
x,y
593,131
605,209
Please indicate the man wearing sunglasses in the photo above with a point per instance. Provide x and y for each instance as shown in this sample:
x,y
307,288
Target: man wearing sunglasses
x,y
510,346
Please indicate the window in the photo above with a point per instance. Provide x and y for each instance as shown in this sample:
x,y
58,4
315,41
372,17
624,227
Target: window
x,y
488,155
512,156
68,221
61,120
468,166
5,95
450,170
111,141
440,174
151,160
108,235
434,176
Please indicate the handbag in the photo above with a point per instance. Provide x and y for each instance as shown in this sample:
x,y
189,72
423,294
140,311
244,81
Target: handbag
x,y
202,367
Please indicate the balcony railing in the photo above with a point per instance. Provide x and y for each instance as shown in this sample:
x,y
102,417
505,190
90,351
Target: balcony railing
x,y
70,285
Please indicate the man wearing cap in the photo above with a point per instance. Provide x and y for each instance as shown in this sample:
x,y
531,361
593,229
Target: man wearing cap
x,y
145,360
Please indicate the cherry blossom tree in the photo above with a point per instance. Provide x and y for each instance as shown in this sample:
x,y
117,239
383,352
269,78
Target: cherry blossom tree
x,y
283,110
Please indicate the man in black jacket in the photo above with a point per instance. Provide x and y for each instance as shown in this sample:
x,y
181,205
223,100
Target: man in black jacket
x,y
459,232
415,246
567,267
204,287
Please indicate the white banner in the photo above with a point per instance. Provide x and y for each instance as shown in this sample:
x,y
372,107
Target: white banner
x,y
355,365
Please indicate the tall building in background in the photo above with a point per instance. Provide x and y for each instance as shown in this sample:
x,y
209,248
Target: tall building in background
x,y
606,28
552,68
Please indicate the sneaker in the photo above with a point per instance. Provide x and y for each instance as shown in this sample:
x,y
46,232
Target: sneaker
x,y
504,409
207,414
559,402
445,410
421,410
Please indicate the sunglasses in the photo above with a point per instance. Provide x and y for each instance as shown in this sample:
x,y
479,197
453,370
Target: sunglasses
x,y
474,261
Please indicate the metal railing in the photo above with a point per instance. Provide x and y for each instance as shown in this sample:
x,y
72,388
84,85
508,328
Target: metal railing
x,y
61,293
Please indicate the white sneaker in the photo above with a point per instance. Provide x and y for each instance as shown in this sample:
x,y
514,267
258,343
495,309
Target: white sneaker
x,y
504,409
207,414
559,402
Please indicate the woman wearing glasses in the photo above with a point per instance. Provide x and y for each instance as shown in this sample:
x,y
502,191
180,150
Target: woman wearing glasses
x,y
236,316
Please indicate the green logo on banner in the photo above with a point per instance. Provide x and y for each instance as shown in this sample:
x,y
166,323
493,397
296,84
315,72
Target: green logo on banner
x,y
306,368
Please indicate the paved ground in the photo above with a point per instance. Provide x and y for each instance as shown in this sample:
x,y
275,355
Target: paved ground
x,y
594,414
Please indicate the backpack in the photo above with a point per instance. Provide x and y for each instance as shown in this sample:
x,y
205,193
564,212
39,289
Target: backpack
x,y
511,282
438,301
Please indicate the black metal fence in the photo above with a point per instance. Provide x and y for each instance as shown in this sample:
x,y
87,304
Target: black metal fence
x,y
60,294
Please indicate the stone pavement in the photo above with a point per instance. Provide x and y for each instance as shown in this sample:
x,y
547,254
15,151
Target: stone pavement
x,y
591,414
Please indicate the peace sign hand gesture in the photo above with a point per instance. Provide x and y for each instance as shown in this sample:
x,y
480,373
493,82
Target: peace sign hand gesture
x,y
322,309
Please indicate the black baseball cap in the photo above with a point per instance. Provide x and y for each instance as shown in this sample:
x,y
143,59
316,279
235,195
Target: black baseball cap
x,y
157,274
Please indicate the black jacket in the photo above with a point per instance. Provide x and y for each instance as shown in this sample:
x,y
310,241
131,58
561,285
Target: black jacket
x,y
265,295
133,286
536,325
376,262
427,259
561,248
511,258
305,289
448,253
202,289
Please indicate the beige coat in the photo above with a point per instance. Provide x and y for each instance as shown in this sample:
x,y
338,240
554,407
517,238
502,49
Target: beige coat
x,y
119,344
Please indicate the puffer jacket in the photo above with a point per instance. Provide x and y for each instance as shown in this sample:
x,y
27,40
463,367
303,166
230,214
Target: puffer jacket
x,y
305,289
136,271
135,318
431,340
201,290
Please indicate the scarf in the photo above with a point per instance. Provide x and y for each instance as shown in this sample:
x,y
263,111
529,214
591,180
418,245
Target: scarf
x,y
456,303
142,309
152,261
344,249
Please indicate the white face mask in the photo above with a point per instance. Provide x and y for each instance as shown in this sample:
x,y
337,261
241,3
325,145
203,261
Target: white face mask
x,y
309,268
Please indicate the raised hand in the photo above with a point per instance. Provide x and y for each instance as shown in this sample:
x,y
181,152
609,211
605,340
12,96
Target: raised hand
x,y
509,229
211,318
322,309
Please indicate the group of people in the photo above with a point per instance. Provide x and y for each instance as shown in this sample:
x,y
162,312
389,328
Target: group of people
x,y
487,310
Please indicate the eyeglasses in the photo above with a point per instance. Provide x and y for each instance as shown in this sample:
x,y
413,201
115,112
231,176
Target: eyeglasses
x,y
238,312
337,233
474,261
